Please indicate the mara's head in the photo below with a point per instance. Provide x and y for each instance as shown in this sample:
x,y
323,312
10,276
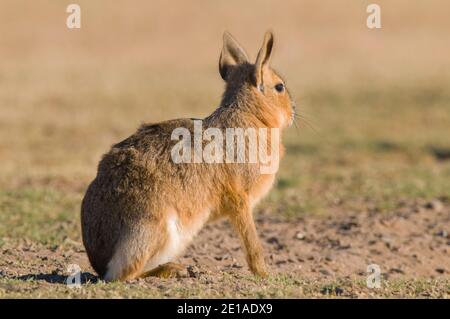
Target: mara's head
x,y
255,87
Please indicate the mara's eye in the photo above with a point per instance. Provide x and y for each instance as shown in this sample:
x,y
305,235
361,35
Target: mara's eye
x,y
279,87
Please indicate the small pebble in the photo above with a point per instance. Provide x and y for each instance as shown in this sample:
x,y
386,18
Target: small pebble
x,y
435,205
300,236
442,233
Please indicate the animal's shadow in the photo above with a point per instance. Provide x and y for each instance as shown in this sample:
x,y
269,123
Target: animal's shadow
x,y
84,278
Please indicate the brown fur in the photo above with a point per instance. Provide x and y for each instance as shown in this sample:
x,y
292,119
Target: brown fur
x,y
138,188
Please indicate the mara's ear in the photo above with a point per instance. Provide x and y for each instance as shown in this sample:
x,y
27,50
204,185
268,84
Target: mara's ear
x,y
262,61
232,54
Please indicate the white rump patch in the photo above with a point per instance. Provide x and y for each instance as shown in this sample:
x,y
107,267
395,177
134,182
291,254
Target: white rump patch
x,y
179,236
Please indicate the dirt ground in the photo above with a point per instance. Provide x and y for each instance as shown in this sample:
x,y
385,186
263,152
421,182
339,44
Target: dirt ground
x,y
410,244
413,242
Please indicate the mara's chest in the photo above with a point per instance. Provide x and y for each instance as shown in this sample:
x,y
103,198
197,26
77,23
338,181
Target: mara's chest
x,y
260,188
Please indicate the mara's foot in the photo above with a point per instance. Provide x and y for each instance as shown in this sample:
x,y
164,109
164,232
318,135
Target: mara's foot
x,y
168,270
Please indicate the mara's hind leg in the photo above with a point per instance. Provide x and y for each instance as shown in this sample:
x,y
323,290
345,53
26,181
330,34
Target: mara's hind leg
x,y
148,250
160,262
168,270
134,250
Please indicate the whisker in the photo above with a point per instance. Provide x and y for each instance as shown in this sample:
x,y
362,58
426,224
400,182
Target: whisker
x,y
303,114
307,122
296,126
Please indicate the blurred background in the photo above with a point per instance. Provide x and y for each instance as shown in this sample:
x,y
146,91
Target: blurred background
x,y
375,102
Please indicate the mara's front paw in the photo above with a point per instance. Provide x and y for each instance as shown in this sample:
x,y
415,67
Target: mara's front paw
x,y
262,273
259,270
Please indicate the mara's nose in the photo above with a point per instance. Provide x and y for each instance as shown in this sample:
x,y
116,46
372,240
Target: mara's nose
x,y
294,106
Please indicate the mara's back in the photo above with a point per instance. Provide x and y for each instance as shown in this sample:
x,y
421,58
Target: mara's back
x,y
134,179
